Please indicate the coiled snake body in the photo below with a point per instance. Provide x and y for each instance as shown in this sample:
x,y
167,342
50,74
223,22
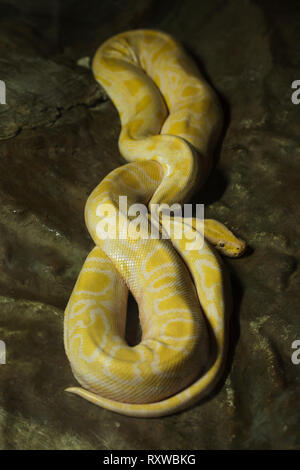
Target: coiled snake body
x,y
170,121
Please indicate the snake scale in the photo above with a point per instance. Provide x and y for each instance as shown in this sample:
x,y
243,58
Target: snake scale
x,y
170,122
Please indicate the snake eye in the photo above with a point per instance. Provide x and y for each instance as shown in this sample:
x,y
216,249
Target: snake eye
x,y
221,245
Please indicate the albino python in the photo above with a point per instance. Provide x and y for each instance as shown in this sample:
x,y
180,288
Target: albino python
x,y
170,119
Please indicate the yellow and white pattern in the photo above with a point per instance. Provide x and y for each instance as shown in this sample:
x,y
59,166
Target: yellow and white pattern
x,y
170,121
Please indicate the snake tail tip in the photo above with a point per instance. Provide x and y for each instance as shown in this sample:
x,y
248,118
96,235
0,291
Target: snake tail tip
x,y
72,390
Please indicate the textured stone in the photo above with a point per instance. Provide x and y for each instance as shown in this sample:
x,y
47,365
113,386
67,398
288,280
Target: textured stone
x,y
59,139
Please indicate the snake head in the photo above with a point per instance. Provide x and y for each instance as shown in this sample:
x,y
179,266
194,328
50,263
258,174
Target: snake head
x,y
232,248
223,239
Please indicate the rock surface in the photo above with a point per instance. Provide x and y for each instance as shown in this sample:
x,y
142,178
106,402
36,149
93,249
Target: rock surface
x,y
58,139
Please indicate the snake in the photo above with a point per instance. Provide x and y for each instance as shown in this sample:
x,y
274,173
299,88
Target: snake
x,y
171,120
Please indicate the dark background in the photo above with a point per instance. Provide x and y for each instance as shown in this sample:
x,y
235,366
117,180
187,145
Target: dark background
x,y
58,139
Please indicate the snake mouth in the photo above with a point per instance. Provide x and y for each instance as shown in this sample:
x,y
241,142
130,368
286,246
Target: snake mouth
x,y
239,250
